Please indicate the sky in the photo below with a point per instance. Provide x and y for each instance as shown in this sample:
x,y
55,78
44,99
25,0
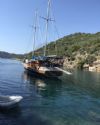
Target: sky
x,y
17,18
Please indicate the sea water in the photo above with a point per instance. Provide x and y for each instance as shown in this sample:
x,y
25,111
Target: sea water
x,y
70,100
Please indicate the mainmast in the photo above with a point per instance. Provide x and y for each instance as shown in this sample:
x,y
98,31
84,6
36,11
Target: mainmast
x,y
35,30
47,22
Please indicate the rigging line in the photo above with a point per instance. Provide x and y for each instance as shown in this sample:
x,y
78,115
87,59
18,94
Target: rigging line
x,y
41,44
41,35
57,32
28,44
35,31
32,26
55,23
56,49
47,22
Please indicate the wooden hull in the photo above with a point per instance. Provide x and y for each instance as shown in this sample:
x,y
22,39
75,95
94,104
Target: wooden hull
x,y
43,71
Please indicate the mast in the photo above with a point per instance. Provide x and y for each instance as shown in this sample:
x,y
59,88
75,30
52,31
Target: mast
x,y
47,22
35,30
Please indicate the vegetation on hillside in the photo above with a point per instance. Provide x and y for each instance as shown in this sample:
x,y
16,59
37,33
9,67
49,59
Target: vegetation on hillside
x,y
79,47
70,46
9,55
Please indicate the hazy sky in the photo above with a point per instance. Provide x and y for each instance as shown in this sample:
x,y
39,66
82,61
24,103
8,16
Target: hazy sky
x,y
17,16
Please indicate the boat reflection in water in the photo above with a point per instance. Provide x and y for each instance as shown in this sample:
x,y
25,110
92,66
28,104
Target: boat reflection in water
x,y
43,86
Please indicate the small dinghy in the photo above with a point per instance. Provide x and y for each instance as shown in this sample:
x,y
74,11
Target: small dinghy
x,y
9,101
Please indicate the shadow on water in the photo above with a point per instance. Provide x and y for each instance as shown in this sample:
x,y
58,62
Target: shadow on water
x,y
35,119
73,98
41,91
11,112
14,116
44,86
10,116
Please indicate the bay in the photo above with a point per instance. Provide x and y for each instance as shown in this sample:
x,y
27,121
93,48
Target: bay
x,y
70,100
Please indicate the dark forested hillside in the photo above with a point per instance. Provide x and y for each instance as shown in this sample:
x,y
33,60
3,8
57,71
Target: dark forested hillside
x,y
9,55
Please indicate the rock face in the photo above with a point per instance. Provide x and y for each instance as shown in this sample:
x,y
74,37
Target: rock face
x,y
69,64
83,62
74,63
95,67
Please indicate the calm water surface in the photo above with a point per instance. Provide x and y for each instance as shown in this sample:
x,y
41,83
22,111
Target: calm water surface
x,y
69,100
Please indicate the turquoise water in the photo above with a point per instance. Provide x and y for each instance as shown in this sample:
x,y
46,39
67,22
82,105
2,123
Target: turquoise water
x,y
69,100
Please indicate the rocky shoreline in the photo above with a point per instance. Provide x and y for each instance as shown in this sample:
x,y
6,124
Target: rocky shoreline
x,y
91,63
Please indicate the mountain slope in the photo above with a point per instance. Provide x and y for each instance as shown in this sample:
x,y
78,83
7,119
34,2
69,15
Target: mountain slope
x,y
71,44
78,49
9,55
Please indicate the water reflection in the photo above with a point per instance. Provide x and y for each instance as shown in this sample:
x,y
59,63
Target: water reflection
x,y
10,116
89,81
15,117
35,119
14,112
85,81
44,86
73,100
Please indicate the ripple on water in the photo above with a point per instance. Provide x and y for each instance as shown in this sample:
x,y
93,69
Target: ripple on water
x,y
70,100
